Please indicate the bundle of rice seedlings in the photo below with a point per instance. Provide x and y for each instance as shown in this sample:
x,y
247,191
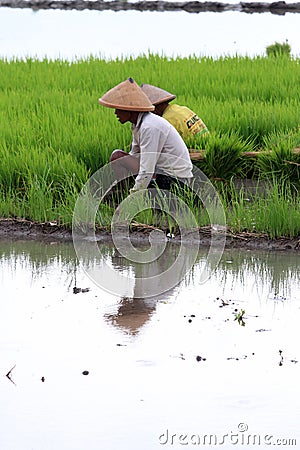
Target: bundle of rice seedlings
x,y
283,162
224,159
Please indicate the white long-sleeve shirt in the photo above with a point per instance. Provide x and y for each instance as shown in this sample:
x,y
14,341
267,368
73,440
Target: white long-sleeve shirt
x,y
160,149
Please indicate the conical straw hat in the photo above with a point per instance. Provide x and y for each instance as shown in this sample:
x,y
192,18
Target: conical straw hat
x,y
127,96
157,95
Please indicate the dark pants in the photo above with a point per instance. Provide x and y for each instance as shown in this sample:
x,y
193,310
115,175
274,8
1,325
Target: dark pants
x,y
166,182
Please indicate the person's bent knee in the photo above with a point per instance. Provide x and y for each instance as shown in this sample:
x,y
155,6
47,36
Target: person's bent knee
x,y
117,154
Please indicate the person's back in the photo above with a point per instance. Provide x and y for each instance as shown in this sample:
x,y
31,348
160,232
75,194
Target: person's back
x,y
187,123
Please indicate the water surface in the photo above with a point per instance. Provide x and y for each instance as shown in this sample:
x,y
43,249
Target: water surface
x,y
74,35
159,368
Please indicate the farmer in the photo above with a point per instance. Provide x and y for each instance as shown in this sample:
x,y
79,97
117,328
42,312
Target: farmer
x,y
157,150
186,122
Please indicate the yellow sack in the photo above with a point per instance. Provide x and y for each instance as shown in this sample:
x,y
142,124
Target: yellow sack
x,y
186,122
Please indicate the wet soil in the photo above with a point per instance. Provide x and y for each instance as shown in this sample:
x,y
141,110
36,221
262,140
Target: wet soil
x,y
48,231
279,7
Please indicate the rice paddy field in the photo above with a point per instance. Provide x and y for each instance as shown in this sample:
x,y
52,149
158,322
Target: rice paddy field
x,y
54,135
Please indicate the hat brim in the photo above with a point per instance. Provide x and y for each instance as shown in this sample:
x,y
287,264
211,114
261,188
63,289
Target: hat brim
x,y
126,108
166,99
157,95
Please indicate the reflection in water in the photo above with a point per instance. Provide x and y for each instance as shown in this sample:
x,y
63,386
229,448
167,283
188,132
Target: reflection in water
x,y
39,258
275,268
133,313
177,361
162,274
124,276
277,272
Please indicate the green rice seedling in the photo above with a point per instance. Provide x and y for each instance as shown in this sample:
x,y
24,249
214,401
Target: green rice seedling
x,y
276,213
239,207
9,206
194,202
9,171
223,158
64,204
290,138
240,316
252,119
79,85
104,216
158,210
52,126
136,211
149,218
37,204
39,200
174,210
40,187
279,214
279,50
281,164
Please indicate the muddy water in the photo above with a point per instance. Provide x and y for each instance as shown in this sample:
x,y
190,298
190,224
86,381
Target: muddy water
x,y
95,371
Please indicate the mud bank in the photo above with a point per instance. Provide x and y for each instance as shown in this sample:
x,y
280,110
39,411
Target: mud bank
x,y
49,231
280,7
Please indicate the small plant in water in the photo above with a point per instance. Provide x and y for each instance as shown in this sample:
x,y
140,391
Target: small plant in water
x,y
239,316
